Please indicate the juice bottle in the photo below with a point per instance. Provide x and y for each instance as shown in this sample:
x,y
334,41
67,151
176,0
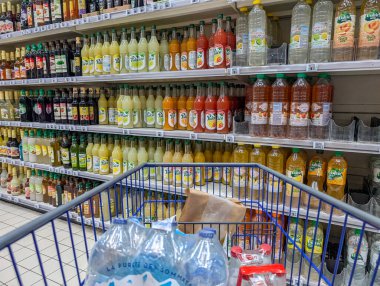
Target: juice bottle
x,y
159,121
223,115
182,111
210,110
110,146
369,36
217,158
336,176
279,107
91,56
132,154
174,52
211,44
142,98
151,151
220,43
103,108
114,50
117,158
299,108
150,117
119,106
111,104
158,158
137,111
296,232
127,107
313,247
154,52
177,158
191,47
240,174
89,159
208,156
106,53
104,156
167,158
197,122
226,158
274,186
123,51
82,157
199,171
142,50
74,153
256,175
202,48
344,31
126,145
170,112
183,47
187,172
164,52
191,114
84,55
142,158
321,108
133,52
95,155
259,107
98,56
295,169
257,35
231,42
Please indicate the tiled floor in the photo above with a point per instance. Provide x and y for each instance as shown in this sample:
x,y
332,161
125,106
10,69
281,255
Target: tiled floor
x,y
25,254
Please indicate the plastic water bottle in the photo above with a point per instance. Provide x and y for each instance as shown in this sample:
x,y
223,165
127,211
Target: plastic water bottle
x,y
299,34
321,31
242,37
207,263
375,253
257,27
137,232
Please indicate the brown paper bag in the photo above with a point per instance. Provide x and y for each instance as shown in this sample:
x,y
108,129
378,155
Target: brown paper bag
x,y
203,207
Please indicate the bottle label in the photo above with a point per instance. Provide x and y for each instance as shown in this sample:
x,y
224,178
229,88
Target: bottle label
x,y
167,62
91,65
278,113
63,110
297,175
38,150
159,117
74,160
65,154
104,165
217,174
126,118
131,165
106,63
193,118
376,175
352,250
211,57
44,150
241,44
177,175
177,61
32,149
96,163
39,190
136,116
296,237
184,61
321,35
192,60
150,117
218,52
22,109
72,112
259,113
102,115
112,115
141,61
299,114
15,152
257,41
336,176
321,113
210,121
199,175
116,168
5,113
126,62
99,64
316,168
116,62
51,154
82,161
172,117
153,61
221,120
344,30
119,117
57,111
311,245
89,163
17,73
85,68
200,58
133,62
167,175
228,56
187,176
299,37
182,118
369,29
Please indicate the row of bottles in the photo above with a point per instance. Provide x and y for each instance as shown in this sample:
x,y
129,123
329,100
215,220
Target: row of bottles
x,y
10,15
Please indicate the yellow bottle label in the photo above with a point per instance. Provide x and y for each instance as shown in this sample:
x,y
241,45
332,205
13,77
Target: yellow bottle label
x,y
51,154
91,65
152,63
217,174
116,168
82,161
317,168
150,117
38,149
116,62
187,176
336,176
44,150
99,64
177,175
65,153
199,175
297,175
102,114
104,165
133,62
119,117
141,61
74,160
85,67
168,175
316,244
89,162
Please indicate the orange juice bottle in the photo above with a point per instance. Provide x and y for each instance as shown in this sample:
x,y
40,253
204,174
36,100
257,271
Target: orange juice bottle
x,y
182,110
256,176
239,177
173,89
275,161
184,54
208,157
295,169
192,49
217,157
336,176
190,108
170,113
199,158
174,52
226,158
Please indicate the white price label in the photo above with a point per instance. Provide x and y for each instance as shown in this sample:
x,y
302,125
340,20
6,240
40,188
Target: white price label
x,y
51,169
37,206
230,138
234,71
318,145
79,219
16,200
193,136
43,28
160,133
106,16
311,67
97,224
136,10
88,221
125,131
75,173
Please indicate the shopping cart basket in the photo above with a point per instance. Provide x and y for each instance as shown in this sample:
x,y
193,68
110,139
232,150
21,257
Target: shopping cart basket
x,y
307,229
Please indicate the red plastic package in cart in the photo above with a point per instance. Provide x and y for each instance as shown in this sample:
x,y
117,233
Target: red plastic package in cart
x,y
266,275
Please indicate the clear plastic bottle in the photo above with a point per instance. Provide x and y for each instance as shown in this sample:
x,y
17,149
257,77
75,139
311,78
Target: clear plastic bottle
x,y
279,107
296,170
259,108
242,37
293,255
257,25
313,245
321,31
300,33
360,255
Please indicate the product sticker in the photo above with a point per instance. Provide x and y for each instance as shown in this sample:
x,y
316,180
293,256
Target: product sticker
x,y
141,61
193,118
321,35
297,175
376,175
99,64
82,161
217,174
241,44
317,244
159,117
226,175
172,117
352,250
183,61
257,41
167,62
296,237
96,164
150,117
199,174
126,62
192,60
221,120
102,115
116,168
344,30
278,113
104,165
317,168
228,56
177,61
321,113
211,57
168,175
89,162
369,29
299,37
299,114
133,62
218,52
106,63
239,178
74,160
126,118
85,68
153,61
210,120
200,58
182,118
116,62
336,176
91,65
259,113
187,176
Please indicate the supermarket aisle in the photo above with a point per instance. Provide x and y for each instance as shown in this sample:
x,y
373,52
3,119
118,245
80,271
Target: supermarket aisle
x,y
13,216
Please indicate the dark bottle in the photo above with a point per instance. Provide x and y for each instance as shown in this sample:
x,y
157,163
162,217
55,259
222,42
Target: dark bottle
x,y
91,106
32,62
69,106
83,108
41,106
58,59
75,107
24,15
17,19
27,63
49,106
46,60
14,146
39,61
82,159
65,58
52,60
3,17
25,107
65,151
57,106
30,14
58,11
45,186
47,12
96,106
34,95
63,107
92,6
58,191
77,57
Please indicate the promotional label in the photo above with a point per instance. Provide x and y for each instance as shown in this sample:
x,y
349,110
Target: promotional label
x,y
102,114
192,60
153,60
104,167
297,175
336,176
299,114
299,37
344,30
257,41
259,113
369,26
321,35
210,120
116,62
316,168
116,168
200,58
184,61
221,120
218,52
278,113
182,118
99,64
141,61
126,118
321,113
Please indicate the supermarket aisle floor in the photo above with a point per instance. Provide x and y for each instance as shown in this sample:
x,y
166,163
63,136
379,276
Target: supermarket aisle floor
x,y
11,217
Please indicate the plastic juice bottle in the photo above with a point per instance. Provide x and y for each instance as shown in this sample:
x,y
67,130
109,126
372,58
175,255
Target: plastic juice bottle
x,y
191,47
123,51
164,52
15,183
142,98
191,114
159,121
279,107
126,145
174,52
167,158
142,50
111,104
295,169
110,146
117,158
315,178
103,109
150,116
220,43
344,31
275,161
210,110
95,155
223,114
202,48
197,121
98,55
313,245
199,171
142,157
106,54
137,111
177,158
170,112
127,107
74,153
132,154
89,159
183,47
133,52
226,158
154,52
209,159
240,174
231,42
182,111
259,107
336,176
84,56
119,105
37,145
82,157
158,158
296,231
321,31
187,172
299,108
115,53
104,156
369,36
242,37
91,56
151,151
210,53
257,37
256,176
321,108
217,158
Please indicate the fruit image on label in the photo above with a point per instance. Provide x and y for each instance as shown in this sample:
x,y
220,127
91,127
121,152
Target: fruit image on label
x,y
116,168
172,118
221,119
218,54
200,58
259,113
133,62
210,122
369,26
336,176
102,114
182,117
321,35
316,168
184,61
104,165
141,61
152,62
192,60
344,30
299,114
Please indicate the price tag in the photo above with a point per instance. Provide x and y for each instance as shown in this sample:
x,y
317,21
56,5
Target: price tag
x,y
160,133
7,123
86,20
51,169
29,124
88,221
194,1
16,200
318,145
68,172
75,173
136,10
63,24
53,80
168,4
106,16
79,219
63,127
22,163
155,6
125,131
41,80
72,128
142,9
18,124
230,138
36,30
83,128
311,67
62,171
37,206
97,224
56,26
193,136
234,71
43,28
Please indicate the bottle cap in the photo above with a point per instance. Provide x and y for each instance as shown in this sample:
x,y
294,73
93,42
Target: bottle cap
x,y
206,234
280,75
275,147
301,75
256,2
213,230
295,150
338,153
260,76
243,9
257,145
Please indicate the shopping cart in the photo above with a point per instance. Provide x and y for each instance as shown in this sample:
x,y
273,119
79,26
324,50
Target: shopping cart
x,y
281,212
